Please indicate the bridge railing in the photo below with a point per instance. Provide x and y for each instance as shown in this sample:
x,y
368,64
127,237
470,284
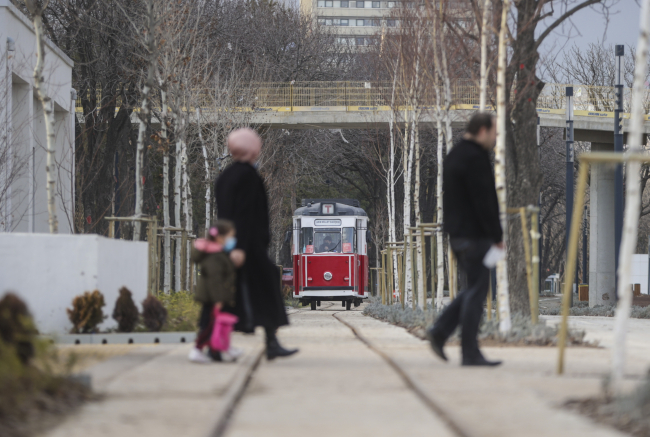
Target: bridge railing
x,y
350,95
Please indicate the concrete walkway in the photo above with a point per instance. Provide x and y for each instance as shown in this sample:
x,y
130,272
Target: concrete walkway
x,y
154,391
337,385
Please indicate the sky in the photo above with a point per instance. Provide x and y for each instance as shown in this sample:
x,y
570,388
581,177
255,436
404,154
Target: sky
x,y
591,26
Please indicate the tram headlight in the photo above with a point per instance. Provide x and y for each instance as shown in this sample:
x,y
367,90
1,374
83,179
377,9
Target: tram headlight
x,y
327,276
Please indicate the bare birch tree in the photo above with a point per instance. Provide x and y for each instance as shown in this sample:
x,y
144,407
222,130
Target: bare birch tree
x,y
487,4
151,47
41,87
632,202
500,169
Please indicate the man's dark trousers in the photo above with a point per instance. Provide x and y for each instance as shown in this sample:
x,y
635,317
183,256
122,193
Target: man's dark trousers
x,y
467,308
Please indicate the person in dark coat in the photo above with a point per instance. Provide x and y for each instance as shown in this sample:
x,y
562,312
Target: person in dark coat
x,y
241,198
471,218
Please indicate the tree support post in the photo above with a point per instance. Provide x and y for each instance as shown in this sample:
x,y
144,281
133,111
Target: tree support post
x,y
571,262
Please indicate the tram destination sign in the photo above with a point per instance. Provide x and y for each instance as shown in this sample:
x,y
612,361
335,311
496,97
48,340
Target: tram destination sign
x,y
327,222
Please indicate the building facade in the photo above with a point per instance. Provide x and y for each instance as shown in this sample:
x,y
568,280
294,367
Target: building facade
x,y
354,22
23,194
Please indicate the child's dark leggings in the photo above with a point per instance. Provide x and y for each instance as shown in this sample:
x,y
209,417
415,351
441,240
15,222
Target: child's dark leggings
x,y
206,323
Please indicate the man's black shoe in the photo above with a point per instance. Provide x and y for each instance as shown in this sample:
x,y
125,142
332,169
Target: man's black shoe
x,y
481,362
436,344
274,350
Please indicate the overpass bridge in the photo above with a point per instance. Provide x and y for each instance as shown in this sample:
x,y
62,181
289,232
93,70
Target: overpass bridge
x,y
364,105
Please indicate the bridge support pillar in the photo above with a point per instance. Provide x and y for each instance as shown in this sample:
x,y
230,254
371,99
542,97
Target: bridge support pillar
x,y
602,275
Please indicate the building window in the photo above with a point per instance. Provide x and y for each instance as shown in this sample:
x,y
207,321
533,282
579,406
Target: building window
x,y
392,4
359,41
375,4
390,23
344,22
359,22
345,4
360,4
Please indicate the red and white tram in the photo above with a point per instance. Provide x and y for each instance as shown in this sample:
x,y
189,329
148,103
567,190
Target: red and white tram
x,y
330,252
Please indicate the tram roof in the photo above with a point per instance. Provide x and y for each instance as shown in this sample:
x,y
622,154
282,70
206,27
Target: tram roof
x,y
342,207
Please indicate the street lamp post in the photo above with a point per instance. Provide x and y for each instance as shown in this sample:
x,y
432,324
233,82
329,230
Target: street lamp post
x,y
570,152
618,147
539,205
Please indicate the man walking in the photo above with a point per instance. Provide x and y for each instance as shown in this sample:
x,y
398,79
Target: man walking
x,y
241,198
471,218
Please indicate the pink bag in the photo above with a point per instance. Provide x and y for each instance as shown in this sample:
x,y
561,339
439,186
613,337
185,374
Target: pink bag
x,y
223,326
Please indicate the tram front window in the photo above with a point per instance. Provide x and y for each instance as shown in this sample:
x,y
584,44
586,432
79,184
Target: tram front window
x,y
329,241
349,240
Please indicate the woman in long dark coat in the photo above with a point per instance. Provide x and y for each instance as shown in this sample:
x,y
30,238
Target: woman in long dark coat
x,y
241,198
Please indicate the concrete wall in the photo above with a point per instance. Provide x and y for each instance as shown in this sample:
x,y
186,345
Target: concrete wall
x,y
48,271
640,271
602,275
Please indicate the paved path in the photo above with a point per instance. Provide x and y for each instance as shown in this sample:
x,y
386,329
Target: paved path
x,y
337,385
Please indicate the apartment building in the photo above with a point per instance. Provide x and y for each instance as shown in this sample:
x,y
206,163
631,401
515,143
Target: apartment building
x,y
359,22
356,22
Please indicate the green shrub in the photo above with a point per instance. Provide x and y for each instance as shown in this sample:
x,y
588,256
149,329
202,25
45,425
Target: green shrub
x,y
154,314
125,312
17,328
86,313
183,311
35,386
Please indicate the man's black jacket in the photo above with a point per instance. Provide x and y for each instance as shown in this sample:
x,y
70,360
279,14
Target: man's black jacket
x,y
470,205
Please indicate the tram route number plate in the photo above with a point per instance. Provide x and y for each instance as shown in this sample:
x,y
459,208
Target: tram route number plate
x,y
327,222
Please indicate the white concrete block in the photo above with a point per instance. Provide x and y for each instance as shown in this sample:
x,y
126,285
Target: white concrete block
x,y
48,271
640,271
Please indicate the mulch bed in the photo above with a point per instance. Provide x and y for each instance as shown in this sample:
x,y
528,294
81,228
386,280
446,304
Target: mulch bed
x,y
642,301
26,410
603,410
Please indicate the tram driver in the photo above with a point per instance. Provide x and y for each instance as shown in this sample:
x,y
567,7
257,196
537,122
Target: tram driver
x,y
327,245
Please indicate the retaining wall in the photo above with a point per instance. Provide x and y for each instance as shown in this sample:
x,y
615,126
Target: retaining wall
x,y
48,271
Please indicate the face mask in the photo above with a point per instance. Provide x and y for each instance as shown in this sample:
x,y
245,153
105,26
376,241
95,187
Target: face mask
x,y
231,242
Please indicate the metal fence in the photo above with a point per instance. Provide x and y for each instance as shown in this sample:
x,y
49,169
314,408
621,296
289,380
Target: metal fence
x,y
349,95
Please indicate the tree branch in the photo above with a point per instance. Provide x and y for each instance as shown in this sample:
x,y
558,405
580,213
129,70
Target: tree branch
x,y
563,17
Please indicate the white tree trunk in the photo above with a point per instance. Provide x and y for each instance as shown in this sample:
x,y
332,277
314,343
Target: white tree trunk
x,y
632,202
420,240
177,206
487,4
500,171
409,150
185,202
189,224
440,250
144,116
167,281
208,183
392,232
48,111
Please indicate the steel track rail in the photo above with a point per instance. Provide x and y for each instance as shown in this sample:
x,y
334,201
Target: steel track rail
x,y
410,382
235,392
